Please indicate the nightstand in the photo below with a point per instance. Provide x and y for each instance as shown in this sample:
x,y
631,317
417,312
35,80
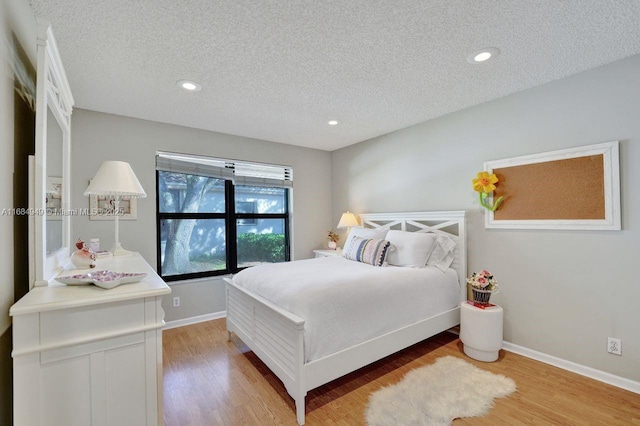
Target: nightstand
x,y
328,252
481,331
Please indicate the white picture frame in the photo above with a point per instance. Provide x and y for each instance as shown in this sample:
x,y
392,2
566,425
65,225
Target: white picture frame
x,y
611,179
101,208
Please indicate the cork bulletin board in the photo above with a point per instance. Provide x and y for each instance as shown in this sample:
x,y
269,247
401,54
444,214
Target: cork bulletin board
x,y
576,188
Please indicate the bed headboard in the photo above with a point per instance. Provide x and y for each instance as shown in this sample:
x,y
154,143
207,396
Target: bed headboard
x,y
449,223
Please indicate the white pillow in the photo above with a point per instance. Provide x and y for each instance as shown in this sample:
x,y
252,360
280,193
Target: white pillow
x,y
442,255
366,233
410,249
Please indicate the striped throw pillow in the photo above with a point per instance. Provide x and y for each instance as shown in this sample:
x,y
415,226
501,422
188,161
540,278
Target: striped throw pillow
x,y
370,251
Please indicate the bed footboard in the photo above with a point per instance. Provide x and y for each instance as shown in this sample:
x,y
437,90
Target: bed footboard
x,y
274,335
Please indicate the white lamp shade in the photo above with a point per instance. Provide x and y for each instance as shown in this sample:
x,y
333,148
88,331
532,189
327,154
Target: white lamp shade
x,y
347,220
116,178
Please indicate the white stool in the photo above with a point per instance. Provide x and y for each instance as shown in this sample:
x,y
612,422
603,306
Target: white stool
x,y
481,331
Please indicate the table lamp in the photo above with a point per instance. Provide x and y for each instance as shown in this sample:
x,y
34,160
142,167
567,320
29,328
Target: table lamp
x,y
347,220
116,179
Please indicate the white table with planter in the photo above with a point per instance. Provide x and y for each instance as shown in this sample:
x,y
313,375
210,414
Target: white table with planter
x,y
328,252
481,331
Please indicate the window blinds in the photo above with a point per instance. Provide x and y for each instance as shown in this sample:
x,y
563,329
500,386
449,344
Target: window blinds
x,y
193,165
240,172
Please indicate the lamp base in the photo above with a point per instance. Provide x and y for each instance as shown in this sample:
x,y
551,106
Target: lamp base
x,y
117,250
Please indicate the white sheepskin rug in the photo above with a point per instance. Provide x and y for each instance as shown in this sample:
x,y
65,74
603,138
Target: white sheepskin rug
x,y
436,394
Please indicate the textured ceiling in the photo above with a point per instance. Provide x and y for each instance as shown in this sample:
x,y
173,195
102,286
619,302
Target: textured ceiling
x,y
279,70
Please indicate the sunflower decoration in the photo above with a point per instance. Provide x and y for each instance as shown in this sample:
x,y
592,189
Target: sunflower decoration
x,y
485,184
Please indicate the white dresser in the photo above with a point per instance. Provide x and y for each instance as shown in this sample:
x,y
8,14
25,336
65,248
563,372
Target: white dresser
x,y
83,355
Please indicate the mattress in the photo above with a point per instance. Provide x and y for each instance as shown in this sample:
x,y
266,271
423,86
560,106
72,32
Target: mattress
x,y
344,302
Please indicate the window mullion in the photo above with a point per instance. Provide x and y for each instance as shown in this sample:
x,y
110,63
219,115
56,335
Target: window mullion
x,y
287,242
261,215
195,216
231,234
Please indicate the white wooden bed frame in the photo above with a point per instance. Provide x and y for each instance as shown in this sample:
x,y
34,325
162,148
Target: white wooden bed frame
x,y
276,336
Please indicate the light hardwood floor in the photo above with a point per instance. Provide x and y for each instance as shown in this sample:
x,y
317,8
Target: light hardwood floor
x,y
210,381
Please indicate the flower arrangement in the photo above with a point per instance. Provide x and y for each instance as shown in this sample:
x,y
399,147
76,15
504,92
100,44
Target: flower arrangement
x,y
485,184
483,280
333,237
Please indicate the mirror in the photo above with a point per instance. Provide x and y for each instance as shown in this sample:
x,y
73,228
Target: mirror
x,y
50,212
54,184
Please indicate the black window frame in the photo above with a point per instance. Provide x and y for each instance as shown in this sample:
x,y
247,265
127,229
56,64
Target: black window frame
x,y
231,223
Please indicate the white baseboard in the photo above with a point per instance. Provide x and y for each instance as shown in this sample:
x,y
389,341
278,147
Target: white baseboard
x,y
583,370
602,376
194,320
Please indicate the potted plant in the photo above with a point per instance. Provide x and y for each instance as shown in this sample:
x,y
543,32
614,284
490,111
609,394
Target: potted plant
x,y
483,284
333,240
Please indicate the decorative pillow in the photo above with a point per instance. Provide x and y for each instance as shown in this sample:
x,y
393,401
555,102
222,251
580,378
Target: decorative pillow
x,y
442,255
367,233
370,251
410,249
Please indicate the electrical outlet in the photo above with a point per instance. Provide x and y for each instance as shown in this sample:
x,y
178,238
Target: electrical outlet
x,y
176,302
614,346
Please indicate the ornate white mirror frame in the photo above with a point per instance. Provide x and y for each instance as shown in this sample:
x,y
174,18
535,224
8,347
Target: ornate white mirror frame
x,y
53,102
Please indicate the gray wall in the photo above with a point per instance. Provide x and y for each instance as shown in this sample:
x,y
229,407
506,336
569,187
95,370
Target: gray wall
x,y
563,292
97,137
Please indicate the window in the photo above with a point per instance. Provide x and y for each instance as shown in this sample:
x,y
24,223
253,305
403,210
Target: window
x,y
218,216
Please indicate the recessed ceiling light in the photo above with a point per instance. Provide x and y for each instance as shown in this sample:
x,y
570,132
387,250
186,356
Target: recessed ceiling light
x,y
188,85
482,55
332,122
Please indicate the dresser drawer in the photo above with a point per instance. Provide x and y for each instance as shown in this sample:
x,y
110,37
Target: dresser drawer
x,y
90,321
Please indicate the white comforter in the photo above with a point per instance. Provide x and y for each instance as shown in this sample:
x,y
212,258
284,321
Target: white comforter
x,y
344,302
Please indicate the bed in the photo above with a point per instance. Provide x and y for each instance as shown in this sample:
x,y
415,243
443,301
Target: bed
x,y
284,333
